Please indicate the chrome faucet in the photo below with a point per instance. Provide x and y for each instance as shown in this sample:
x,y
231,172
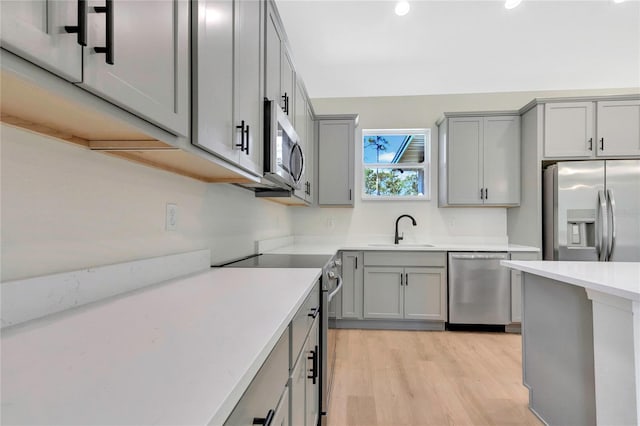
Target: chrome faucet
x,y
398,237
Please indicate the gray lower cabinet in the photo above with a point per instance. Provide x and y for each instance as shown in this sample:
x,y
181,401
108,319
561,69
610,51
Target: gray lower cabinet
x,y
353,281
267,388
227,113
336,152
304,397
417,293
143,67
286,388
312,387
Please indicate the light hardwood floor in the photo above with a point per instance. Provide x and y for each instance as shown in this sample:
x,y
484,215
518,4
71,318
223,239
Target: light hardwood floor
x,y
389,378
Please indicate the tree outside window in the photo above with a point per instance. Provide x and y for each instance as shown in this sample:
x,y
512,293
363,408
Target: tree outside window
x,y
394,164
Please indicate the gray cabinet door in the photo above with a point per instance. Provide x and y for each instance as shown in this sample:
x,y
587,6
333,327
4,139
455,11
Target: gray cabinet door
x,y
297,390
383,293
281,416
287,83
310,154
464,160
34,30
352,288
618,128
272,56
213,126
569,130
150,71
300,124
312,394
501,155
247,82
425,294
335,162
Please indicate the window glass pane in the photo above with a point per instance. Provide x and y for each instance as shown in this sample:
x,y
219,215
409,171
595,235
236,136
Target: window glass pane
x,y
393,182
393,149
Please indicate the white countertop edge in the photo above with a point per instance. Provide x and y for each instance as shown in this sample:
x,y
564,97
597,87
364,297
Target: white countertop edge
x,y
331,249
625,275
232,399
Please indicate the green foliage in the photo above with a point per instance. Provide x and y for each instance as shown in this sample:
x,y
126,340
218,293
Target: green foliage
x,y
390,182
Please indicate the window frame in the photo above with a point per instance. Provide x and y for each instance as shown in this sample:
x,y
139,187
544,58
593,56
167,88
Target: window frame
x,y
425,166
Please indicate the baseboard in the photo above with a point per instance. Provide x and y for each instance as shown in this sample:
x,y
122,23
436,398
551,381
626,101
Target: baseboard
x,y
387,325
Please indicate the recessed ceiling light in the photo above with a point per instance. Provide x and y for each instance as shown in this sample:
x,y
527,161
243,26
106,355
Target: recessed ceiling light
x,y
510,4
402,8
618,1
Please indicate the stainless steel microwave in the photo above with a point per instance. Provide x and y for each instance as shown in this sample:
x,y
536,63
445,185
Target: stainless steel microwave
x,y
283,156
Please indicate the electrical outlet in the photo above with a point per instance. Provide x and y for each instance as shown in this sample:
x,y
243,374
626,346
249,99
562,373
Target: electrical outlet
x,y
171,222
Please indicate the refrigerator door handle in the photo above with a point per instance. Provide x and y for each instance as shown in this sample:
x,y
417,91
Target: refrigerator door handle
x,y
611,202
601,227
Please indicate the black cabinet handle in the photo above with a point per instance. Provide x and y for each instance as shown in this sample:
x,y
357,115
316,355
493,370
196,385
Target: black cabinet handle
x,y
601,144
486,193
349,195
266,421
314,368
108,48
242,133
246,147
406,279
81,28
482,193
401,279
356,262
314,312
285,99
590,144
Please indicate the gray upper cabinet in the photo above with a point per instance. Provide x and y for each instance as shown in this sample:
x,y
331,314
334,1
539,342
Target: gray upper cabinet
x,y
353,280
569,129
150,59
280,78
479,160
309,155
35,30
288,83
592,129
336,146
227,119
618,128
300,124
143,67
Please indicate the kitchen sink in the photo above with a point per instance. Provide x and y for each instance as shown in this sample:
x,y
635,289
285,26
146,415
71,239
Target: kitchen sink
x,y
390,245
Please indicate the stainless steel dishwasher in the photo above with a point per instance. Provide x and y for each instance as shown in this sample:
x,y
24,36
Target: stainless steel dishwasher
x,y
479,289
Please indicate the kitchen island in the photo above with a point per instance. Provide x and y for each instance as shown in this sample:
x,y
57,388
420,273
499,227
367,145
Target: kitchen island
x,y
581,341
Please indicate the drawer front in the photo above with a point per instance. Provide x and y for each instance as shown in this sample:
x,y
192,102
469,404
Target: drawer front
x,y
302,322
266,388
404,258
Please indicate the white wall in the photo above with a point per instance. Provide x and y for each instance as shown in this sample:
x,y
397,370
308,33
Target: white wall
x,y
375,217
66,208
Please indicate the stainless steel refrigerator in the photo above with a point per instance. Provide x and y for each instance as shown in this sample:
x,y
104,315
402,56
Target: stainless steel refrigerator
x,y
591,211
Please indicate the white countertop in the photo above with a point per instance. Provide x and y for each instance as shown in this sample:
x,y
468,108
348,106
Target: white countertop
x,y
620,279
182,352
332,248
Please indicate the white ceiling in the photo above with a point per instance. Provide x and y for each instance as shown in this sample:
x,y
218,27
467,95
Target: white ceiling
x,y
361,48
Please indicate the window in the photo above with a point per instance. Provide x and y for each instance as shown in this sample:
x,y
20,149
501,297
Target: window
x,y
395,164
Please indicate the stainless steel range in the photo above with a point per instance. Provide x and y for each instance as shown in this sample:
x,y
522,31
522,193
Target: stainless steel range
x,y
331,284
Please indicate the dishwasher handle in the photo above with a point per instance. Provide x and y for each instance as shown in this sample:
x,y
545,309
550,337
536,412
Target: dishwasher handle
x,y
480,256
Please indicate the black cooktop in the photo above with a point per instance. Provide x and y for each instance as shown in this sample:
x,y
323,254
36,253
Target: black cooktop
x,y
281,261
